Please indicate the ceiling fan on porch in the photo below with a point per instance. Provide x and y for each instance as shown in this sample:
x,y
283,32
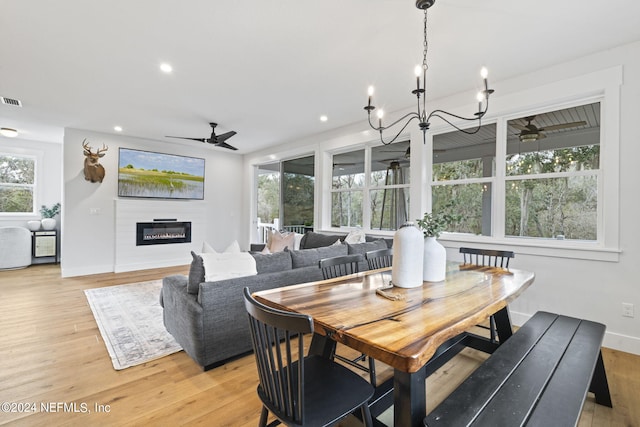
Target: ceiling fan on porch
x,y
216,140
530,132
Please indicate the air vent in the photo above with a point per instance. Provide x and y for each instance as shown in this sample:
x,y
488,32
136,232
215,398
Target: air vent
x,y
10,101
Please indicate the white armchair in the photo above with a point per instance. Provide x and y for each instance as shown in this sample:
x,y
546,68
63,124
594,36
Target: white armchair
x,y
15,247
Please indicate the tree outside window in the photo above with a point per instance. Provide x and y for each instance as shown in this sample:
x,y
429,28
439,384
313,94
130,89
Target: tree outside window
x,y
550,178
17,184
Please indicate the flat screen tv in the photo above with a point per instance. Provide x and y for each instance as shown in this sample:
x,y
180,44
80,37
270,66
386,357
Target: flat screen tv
x,y
148,174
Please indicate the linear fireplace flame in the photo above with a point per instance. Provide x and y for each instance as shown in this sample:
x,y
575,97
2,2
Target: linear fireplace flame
x,y
161,232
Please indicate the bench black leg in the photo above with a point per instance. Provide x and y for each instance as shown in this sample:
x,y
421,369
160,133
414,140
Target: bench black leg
x,y
599,384
503,325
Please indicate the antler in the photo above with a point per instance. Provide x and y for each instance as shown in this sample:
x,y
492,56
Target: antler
x,y
87,147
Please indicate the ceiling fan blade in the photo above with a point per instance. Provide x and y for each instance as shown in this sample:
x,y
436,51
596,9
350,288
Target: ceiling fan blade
x,y
564,126
224,145
518,126
223,137
193,139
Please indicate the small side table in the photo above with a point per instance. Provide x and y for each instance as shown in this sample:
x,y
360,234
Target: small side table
x,y
45,244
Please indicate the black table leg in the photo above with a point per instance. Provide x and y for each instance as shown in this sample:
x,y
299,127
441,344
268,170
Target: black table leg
x,y
409,397
322,346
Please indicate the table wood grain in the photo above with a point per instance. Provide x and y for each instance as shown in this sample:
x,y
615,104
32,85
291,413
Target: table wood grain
x,y
404,333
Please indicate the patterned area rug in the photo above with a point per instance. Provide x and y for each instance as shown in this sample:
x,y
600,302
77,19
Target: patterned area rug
x,y
130,321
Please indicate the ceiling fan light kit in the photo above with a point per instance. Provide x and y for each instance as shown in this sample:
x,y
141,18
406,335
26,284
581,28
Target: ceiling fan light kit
x,y
531,132
8,132
420,91
215,140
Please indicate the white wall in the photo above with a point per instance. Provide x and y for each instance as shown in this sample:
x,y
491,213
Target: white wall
x,y
89,240
587,284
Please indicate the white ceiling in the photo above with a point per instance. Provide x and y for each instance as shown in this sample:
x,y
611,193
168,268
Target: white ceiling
x,y
268,69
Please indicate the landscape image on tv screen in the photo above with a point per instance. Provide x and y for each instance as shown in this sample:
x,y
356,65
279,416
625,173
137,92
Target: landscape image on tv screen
x,y
159,175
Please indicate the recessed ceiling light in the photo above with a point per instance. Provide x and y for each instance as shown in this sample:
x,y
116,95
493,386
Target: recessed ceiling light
x,y
117,128
324,118
8,132
167,68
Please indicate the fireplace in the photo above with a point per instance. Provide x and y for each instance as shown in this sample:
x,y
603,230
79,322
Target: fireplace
x,y
162,232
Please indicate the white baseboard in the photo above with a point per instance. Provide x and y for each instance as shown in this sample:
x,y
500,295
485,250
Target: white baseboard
x,y
122,267
85,271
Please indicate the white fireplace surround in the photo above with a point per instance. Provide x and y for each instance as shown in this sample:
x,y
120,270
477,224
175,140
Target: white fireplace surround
x,y
129,257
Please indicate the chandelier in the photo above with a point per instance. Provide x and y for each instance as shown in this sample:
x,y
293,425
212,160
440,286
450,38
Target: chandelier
x,y
420,92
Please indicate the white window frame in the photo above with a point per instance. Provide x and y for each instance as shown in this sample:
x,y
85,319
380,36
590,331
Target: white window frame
x,y
366,188
36,156
601,86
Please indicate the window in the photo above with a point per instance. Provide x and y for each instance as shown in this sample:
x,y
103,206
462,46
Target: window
x,y
463,175
552,179
347,189
549,171
285,192
371,194
17,184
389,180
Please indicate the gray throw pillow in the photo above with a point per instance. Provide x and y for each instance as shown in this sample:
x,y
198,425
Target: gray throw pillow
x,y
271,263
307,257
312,240
196,274
363,248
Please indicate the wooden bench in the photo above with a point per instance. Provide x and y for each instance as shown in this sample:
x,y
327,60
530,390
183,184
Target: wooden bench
x,y
538,377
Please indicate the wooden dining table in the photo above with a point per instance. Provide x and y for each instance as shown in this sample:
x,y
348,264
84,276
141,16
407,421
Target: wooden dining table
x,y
414,330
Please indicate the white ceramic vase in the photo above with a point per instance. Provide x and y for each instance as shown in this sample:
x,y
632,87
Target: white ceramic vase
x,y
48,223
406,267
434,265
33,225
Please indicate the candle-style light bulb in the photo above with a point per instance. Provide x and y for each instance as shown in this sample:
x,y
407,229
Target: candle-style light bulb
x,y
370,92
418,71
484,72
380,115
480,98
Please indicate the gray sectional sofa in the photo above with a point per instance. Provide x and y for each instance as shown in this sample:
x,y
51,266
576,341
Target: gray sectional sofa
x,y
208,319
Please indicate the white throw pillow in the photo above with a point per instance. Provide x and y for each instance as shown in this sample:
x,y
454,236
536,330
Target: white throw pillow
x,y
233,248
207,249
228,265
355,236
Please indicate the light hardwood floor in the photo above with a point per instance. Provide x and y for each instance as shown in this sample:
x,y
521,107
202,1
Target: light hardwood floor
x,y
51,352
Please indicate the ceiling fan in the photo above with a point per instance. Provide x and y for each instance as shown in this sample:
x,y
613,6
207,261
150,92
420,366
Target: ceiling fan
x,y
407,152
530,132
216,140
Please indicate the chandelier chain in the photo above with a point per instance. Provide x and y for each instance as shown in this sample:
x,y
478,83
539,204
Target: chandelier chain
x,y
425,44
421,92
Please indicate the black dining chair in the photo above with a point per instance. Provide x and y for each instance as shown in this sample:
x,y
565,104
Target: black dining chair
x,y
298,390
341,266
380,258
487,258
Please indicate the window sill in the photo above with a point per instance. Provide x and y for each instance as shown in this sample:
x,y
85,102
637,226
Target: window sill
x,y
553,248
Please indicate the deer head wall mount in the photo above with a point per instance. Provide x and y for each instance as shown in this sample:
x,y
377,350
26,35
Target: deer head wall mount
x,y
93,170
